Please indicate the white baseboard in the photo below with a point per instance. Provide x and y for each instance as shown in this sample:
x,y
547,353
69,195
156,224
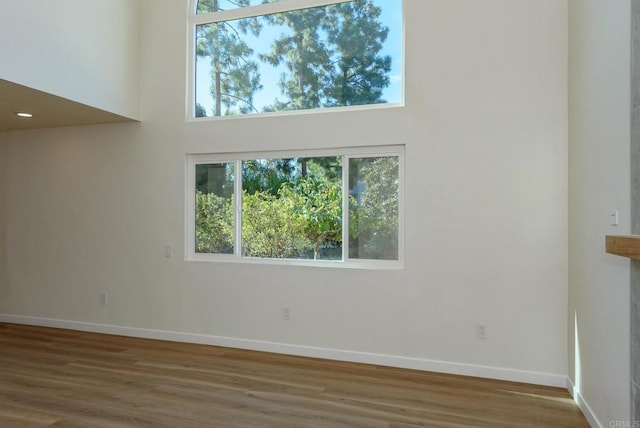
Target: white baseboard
x,y
523,376
583,405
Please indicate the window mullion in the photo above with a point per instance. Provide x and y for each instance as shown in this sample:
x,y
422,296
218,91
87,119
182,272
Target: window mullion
x,y
238,208
345,208
191,208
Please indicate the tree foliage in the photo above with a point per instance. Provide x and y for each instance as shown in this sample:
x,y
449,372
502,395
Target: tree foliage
x,y
374,212
332,56
292,208
360,73
270,228
302,217
267,175
317,204
306,58
328,56
214,224
234,74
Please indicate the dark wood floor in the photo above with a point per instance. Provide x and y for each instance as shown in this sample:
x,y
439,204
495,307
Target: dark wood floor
x,y
62,378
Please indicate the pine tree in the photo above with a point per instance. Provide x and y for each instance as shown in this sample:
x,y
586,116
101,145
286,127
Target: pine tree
x,y
305,56
356,36
332,56
234,75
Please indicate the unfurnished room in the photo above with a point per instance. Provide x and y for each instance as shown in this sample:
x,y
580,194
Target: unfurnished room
x,y
320,213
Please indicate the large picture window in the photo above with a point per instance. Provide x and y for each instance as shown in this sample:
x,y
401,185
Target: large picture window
x,y
340,208
260,56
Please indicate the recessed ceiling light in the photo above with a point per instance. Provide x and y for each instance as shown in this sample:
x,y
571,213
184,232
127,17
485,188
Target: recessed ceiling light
x,y
24,114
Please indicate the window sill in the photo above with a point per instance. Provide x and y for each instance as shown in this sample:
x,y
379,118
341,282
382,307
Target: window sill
x,y
351,264
305,112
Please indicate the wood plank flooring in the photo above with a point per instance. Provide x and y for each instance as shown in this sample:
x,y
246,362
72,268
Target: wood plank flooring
x,y
62,378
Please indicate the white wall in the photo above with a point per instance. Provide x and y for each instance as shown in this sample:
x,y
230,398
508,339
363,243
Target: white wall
x,y
599,182
3,223
83,51
485,127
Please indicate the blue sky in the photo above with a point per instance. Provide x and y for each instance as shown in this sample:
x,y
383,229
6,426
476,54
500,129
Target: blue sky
x,y
391,17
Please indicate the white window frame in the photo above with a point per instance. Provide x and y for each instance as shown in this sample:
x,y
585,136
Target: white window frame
x,y
236,158
249,12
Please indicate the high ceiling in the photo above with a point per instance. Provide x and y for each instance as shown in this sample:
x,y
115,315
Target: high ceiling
x,y
48,110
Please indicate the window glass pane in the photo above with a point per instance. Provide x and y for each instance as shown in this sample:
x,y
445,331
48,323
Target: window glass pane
x,y
292,208
338,55
373,208
208,6
214,208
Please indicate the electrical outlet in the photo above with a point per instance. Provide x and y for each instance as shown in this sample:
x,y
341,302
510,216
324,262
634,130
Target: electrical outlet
x,y
286,313
104,299
481,330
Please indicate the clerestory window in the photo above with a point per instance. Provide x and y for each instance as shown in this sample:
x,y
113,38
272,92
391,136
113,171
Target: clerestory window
x,y
260,56
335,208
